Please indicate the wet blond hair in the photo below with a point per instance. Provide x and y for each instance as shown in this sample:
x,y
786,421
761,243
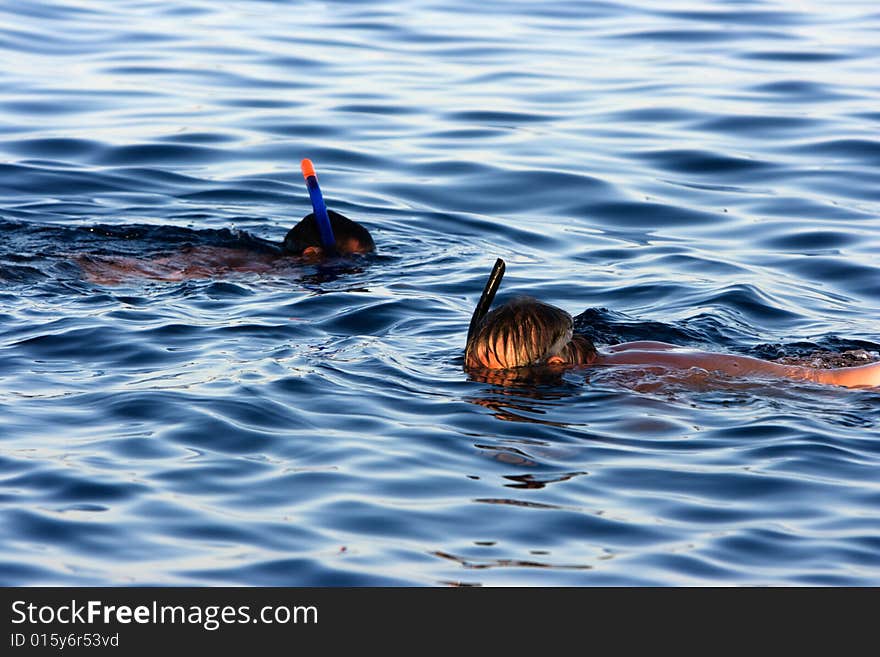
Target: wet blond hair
x,y
519,333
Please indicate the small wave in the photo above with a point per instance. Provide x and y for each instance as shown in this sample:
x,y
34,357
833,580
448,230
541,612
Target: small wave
x,y
796,56
867,150
633,214
495,117
145,154
701,162
685,36
760,126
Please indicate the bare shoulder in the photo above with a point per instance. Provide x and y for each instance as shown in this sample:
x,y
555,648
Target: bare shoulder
x,y
642,345
685,358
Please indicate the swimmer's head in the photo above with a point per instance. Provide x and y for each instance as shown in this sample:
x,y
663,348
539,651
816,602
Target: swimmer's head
x,y
305,238
523,333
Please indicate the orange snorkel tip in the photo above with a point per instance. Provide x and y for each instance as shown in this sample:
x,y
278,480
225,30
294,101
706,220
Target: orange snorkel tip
x,y
308,169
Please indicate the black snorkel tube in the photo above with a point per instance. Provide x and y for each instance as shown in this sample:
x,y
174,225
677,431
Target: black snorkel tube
x,y
486,299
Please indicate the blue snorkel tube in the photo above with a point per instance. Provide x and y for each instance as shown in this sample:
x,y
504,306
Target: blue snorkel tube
x,y
328,241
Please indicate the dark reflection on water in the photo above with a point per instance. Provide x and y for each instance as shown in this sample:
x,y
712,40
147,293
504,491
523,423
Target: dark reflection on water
x,y
705,175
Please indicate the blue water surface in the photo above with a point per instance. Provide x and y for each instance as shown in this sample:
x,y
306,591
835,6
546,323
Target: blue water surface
x,y
702,172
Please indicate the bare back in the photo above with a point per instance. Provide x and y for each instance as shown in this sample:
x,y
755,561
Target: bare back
x,y
660,354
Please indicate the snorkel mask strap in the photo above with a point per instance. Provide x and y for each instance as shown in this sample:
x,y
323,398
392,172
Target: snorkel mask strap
x,y
557,347
482,309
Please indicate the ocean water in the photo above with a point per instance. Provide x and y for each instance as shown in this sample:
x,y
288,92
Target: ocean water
x,y
706,173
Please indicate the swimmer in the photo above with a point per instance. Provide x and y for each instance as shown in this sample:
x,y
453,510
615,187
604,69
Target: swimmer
x,y
528,333
322,233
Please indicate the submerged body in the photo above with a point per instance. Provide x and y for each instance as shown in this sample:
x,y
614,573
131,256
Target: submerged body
x,y
301,245
192,262
527,333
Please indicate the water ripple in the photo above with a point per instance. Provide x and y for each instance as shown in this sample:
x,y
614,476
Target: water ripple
x,y
704,175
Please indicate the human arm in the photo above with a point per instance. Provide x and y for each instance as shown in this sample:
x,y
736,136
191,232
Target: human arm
x,y
851,377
